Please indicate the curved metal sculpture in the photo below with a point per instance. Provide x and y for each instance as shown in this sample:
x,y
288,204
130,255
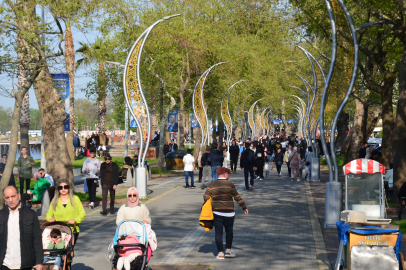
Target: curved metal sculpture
x,y
243,115
225,113
258,125
198,105
133,91
263,121
251,117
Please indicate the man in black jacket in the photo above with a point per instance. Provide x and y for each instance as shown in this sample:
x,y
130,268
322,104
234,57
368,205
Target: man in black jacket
x,y
248,163
234,152
216,159
108,181
19,224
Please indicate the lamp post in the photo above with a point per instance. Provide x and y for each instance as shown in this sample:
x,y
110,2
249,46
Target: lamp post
x,y
135,99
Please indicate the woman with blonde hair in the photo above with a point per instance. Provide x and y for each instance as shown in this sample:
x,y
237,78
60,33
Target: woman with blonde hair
x,y
66,207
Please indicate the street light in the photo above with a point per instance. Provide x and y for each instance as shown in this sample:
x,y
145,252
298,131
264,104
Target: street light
x,y
126,113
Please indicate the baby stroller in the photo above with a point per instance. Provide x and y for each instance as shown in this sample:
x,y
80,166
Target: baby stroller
x,y
129,227
67,252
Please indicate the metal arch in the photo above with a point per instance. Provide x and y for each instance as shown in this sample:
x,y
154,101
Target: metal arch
x,y
225,113
267,120
263,120
251,117
258,126
243,115
303,92
198,104
133,91
350,87
304,110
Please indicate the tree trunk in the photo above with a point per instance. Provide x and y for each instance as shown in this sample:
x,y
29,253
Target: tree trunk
x,y
221,132
25,106
356,138
102,104
181,121
12,151
387,127
399,143
373,117
70,69
25,123
364,123
53,117
198,140
213,134
161,156
342,130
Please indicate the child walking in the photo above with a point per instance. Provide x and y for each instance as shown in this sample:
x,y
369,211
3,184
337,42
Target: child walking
x,y
308,170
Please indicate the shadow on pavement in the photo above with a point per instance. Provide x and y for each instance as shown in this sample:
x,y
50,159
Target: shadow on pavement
x,y
81,266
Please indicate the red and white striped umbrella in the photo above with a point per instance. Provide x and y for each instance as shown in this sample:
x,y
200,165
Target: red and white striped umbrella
x,y
364,165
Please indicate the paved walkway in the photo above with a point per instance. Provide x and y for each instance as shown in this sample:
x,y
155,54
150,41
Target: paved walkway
x,y
280,232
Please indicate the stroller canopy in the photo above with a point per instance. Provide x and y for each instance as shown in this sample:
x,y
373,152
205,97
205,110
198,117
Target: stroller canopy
x,y
131,227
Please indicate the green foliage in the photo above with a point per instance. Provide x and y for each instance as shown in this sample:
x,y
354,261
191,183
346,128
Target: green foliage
x,y
341,160
84,197
6,115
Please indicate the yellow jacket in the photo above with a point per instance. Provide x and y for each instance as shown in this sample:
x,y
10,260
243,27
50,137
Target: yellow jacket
x,y
206,216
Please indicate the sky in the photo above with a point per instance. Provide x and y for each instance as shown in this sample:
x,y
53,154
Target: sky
x,y
80,77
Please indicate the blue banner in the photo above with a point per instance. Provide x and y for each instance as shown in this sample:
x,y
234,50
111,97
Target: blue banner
x,y
291,121
133,123
277,122
61,83
173,121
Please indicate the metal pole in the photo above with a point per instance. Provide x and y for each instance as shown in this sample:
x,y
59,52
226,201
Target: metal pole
x,y
333,199
126,132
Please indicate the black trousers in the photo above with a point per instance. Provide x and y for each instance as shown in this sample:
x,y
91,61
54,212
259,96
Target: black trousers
x,y
105,190
91,186
233,162
27,184
250,171
289,170
227,222
260,170
200,174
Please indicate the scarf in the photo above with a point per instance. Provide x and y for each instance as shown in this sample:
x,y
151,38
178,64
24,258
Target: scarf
x,y
133,204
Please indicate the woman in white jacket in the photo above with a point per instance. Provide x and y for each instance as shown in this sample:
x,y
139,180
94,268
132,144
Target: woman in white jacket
x,y
134,209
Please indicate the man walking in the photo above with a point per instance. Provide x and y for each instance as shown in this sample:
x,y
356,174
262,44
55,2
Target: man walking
x,y
91,167
108,182
189,168
248,162
20,234
234,152
216,159
76,145
46,176
363,150
222,193
2,167
204,161
25,163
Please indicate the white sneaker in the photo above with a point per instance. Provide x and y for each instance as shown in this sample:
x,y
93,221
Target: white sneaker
x,y
260,179
220,257
298,179
230,254
91,205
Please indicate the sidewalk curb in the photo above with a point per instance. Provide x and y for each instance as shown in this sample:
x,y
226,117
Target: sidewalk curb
x,y
321,251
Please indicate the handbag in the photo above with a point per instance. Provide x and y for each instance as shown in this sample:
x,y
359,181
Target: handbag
x,y
267,167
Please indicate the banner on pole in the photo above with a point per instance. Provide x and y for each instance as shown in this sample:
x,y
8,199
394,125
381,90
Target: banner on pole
x,y
195,123
277,122
291,121
61,83
173,121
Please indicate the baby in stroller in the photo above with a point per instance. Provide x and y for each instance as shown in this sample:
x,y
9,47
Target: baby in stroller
x,y
128,253
56,243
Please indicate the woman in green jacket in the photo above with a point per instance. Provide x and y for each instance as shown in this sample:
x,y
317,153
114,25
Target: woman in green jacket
x,y
40,186
66,207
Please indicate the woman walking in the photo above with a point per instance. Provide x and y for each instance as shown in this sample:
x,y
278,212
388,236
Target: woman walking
x,y
134,209
66,207
294,163
278,160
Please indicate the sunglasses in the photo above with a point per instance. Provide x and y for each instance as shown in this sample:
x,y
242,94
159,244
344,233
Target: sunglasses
x,y
132,196
63,187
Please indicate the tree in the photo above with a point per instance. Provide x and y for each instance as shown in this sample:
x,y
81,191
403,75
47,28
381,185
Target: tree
x,y
5,120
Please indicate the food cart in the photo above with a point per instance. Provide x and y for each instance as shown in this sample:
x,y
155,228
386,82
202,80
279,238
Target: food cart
x,y
367,241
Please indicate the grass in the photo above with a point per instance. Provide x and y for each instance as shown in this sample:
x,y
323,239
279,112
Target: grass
x,y
401,223
37,163
341,160
32,183
156,170
85,196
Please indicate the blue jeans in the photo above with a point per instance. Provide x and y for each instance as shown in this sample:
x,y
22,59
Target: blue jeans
x,y
227,222
57,259
214,175
191,178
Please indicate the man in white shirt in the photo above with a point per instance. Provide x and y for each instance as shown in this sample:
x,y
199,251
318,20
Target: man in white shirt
x,y
91,167
189,168
20,234
47,176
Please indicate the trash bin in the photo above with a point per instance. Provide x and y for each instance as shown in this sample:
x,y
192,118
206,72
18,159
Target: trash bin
x,y
174,160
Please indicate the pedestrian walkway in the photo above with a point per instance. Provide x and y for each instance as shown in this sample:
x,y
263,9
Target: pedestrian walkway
x,y
278,233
